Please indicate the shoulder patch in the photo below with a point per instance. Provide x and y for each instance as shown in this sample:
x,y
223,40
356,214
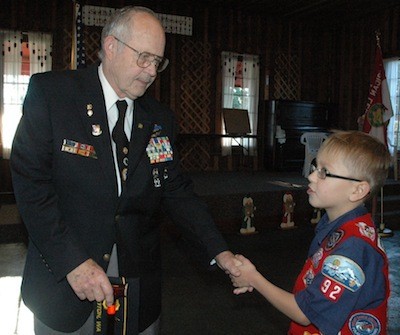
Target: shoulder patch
x,y
364,324
334,239
366,231
343,270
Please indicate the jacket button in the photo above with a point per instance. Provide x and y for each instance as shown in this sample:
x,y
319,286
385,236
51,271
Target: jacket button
x,y
106,257
117,217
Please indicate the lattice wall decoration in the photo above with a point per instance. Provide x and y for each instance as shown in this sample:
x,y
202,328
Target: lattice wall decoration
x,y
66,49
92,43
287,83
194,154
195,101
96,15
173,24
92,38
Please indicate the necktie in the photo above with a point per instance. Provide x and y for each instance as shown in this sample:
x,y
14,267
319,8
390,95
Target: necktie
x,y
120,139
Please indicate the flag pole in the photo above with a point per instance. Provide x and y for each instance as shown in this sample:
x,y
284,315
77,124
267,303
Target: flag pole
x,y
73,35
383,231
378,100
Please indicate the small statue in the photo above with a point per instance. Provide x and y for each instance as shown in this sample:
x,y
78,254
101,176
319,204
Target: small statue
x,y
248,216
288,209
317,213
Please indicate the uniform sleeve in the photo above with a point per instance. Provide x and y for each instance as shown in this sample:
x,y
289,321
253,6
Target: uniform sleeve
x,y
191,215
32,172
351,278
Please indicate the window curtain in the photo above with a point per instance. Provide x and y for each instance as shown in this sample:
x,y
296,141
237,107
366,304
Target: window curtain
x,y
23,54
392,71
240,89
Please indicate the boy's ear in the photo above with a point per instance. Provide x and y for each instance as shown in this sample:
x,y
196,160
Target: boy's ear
x,y
360,191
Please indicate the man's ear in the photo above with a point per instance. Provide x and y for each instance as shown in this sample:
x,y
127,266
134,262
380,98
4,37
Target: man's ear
x,y
360,191
110,46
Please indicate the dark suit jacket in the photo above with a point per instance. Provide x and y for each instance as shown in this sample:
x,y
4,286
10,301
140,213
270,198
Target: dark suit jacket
x,y
69,202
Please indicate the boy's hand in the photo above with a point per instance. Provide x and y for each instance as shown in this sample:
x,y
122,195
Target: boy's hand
x,y
242,282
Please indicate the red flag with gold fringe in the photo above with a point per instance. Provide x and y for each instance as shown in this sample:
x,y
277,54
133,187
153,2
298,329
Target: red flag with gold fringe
x,y
379,108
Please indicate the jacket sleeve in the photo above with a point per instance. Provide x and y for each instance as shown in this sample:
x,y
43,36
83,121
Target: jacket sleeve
x,y
191,215
34,187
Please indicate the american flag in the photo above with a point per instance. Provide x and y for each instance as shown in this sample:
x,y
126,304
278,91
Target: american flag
x,y
78,58
80,42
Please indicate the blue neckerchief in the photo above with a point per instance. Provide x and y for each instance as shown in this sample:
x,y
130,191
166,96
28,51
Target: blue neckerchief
x,y
325,228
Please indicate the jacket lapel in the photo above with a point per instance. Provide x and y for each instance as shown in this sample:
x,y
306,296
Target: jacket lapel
x,y
141,133
92,110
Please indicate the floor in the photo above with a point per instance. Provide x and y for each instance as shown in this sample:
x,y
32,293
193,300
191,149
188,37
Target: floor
x,y
197,301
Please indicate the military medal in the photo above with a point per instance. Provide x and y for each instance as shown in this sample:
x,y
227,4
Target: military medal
x,y
96,130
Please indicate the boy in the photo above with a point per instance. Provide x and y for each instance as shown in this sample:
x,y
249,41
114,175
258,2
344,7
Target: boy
x,y
343,287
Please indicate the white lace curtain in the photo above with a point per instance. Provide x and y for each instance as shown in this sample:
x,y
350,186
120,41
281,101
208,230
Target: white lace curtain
x,y
245,98
392,71
23,54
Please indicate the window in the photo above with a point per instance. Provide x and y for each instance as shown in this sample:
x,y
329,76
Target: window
x,y
240,87
392,71
23,54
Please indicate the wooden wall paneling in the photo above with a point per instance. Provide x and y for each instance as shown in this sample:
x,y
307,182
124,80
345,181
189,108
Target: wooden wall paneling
x,y
350,76
342,72
169,78
324,92
194,103
331,55
309,64
360,93
230,32
394,36
195,87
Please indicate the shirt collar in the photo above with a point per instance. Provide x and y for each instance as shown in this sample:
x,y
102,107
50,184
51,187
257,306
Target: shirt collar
x,y
325,228
109,94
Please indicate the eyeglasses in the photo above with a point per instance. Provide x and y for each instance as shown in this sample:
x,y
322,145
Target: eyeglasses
x,y
322,173
145,58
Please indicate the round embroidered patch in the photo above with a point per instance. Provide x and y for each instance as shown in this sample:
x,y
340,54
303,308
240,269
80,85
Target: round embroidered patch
x,y
364,324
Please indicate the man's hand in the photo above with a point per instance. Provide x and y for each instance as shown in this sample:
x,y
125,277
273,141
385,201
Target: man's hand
x,y
90,282
229,263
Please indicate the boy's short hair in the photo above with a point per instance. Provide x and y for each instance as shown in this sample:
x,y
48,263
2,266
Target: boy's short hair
x,y
363,155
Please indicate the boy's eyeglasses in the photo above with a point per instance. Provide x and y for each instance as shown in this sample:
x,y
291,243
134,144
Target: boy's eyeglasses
x,y
144,59
322,173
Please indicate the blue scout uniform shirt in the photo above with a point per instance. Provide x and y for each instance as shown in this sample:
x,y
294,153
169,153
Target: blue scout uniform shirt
x,y
329,316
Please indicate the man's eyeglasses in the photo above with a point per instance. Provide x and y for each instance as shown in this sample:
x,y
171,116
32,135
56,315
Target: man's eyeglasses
x,y
145,58
322,173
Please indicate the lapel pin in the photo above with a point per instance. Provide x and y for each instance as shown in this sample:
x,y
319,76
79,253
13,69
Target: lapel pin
x,y
89,108
96,130
140,125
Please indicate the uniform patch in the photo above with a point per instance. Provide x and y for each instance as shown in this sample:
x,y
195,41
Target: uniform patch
x,y
77,148
334,239
308,277
343,271
364,324
331,289
156,131
366,231
159,150
317,257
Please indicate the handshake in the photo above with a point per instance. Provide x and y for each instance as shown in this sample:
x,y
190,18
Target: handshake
x,y
240,270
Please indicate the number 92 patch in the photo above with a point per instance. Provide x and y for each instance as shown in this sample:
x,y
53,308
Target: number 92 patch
x,y
341,273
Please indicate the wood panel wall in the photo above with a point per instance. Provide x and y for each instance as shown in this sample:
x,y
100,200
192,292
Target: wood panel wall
x,y
336,56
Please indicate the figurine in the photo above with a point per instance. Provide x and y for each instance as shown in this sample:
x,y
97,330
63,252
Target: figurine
x,y
317,213
248,216
288,208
